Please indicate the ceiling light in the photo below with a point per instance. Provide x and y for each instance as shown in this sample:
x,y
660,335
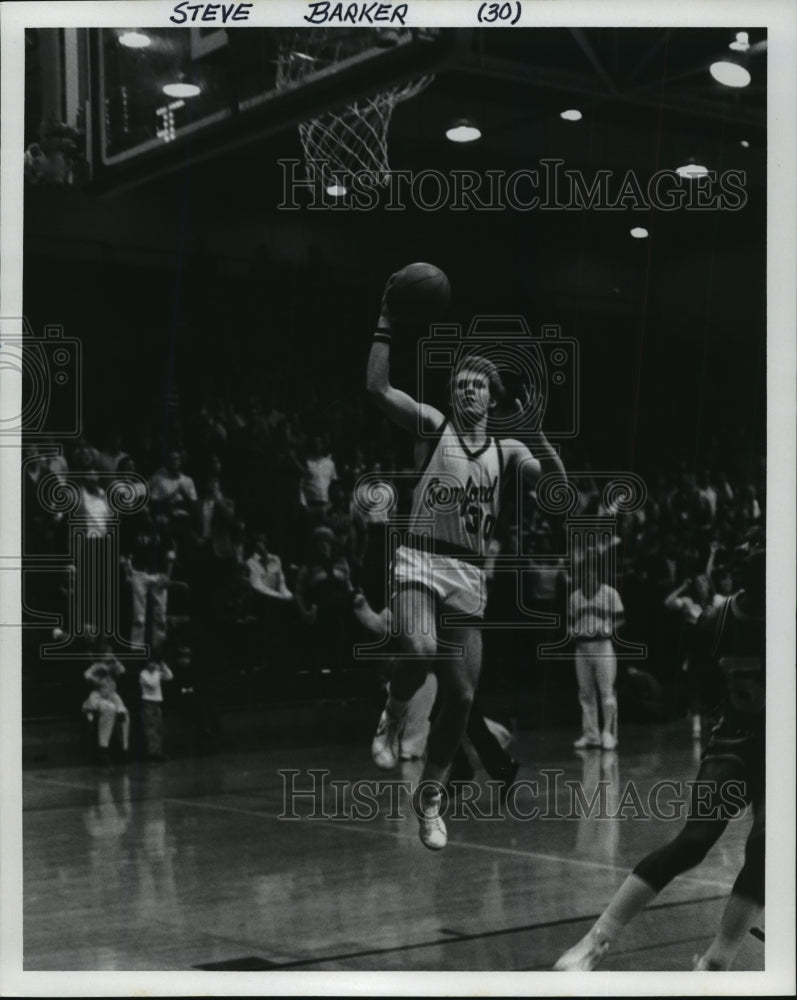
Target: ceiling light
x,y
463,131
639,233
730,69
730,74
691,170
572,115
336,190
134,40
181,89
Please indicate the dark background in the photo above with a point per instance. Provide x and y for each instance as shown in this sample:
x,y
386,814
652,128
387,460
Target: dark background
x,y
198,276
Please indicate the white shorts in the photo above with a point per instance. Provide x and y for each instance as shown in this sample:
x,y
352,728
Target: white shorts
x,y
458,586
97,701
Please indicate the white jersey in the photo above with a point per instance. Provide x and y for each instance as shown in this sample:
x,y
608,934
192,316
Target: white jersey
x,y
457,498
594,617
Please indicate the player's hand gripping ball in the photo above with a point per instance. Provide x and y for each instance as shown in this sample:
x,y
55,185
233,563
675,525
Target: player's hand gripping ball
x,y
417,293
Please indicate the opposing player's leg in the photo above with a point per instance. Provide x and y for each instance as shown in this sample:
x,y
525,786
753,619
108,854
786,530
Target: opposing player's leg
x,y
708,817
498,762
413,613
746,903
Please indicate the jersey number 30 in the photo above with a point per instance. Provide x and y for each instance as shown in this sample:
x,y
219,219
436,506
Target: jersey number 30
x,y
476,521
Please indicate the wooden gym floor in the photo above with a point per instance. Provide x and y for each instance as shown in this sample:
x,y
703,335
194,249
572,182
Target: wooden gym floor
x,y
187,865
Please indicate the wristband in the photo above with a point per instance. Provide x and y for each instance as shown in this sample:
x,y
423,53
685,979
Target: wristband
x,y
382,335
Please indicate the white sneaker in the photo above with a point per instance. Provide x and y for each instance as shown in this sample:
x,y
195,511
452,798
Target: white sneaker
x,y
584,742
584,956
608,742
703,964
432,829
385,744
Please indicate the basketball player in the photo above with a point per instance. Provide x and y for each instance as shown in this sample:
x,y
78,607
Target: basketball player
x,y
730,643
461,471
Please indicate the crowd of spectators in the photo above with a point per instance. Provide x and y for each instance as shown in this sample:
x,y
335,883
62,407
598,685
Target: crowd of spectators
x,y
252,549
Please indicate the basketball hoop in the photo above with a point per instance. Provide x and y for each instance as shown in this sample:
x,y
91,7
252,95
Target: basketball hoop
x,y
343,141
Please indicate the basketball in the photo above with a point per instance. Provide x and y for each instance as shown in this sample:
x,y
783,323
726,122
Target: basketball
x,y
418,292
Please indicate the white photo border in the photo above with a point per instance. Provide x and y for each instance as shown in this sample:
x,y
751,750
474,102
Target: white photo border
x,y
780,18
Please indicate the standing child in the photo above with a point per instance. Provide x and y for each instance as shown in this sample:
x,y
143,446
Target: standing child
x,y
104,702
152,673
595,612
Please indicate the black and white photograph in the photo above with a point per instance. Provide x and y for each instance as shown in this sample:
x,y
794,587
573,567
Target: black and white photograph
x,y
397,459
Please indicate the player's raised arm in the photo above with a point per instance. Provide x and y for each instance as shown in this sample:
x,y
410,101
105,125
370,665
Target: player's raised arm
x,y
394,403
539,457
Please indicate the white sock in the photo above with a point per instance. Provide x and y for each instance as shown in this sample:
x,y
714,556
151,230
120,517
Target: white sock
x,y
630,899
739,916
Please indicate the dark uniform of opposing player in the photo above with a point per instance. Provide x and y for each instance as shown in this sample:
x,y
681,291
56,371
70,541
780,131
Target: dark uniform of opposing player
x,y
730,653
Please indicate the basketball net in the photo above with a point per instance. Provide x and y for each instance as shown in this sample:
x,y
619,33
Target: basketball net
x,y
346,140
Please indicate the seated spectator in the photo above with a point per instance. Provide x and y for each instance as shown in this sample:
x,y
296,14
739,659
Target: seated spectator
x,y
726,497
725,585
139,522
689,601
373,505
234,599
56,462
93,510
171,490
319,472
546,576
271,600
217,526
109,457
40,526
127,464
750,506
324,594
265,572
708,494
272,415
208,428
150,596
41,459
346,520
355,468
664,565
103,705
